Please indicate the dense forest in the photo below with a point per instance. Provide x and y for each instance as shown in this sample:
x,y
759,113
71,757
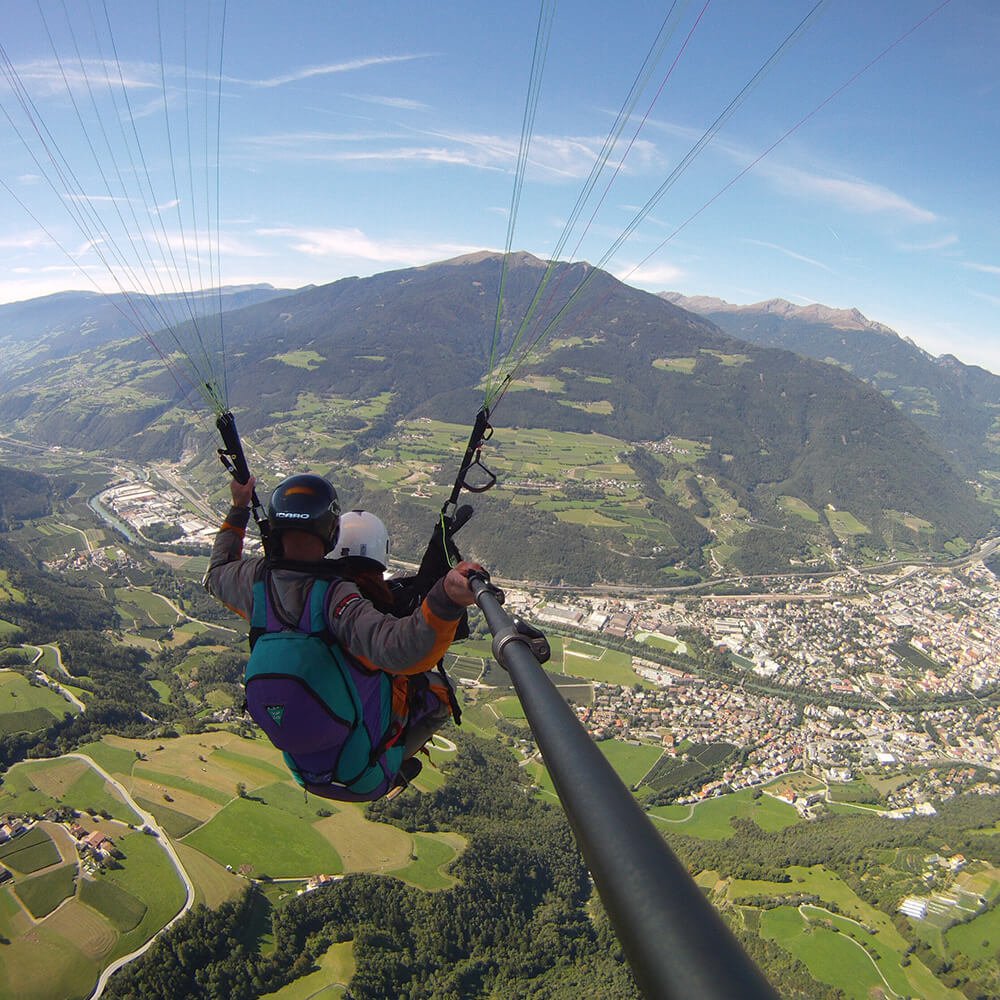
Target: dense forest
x,y
23,495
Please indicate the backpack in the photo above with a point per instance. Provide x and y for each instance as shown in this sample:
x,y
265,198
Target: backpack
x,y
338,724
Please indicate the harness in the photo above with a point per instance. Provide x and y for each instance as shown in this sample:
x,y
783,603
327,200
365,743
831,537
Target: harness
x,y
334,720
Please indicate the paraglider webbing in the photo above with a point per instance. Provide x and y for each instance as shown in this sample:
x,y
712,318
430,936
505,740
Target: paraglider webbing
x,y
543,30
676,944
523,345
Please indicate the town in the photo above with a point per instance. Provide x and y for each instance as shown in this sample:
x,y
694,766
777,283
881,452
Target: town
x,y
835,675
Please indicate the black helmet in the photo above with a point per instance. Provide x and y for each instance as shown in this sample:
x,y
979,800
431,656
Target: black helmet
x,y
305,503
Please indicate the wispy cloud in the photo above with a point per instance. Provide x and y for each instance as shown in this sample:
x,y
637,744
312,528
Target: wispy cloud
x,y
25,241
308,72
858,196
353,243
45,77
941,244
984,268
995,299
848,193
656,276
400,103
790,253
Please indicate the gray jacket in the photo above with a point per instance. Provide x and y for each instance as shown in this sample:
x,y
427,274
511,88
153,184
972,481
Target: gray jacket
x,y
381,642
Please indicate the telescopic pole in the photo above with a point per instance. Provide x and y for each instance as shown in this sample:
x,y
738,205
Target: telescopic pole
x,y
678,947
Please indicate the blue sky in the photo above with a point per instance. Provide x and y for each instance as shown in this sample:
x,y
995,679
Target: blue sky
x,y
358,138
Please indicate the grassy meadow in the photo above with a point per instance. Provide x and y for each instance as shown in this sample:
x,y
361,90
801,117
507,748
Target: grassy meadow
x,y
26,707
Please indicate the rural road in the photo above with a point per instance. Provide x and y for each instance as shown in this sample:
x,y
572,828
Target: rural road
x,y
150,821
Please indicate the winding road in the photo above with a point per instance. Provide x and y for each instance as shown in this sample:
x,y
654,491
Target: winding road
x,y
150,821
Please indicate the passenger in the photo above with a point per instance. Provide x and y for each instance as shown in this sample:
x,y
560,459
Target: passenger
x,y
297,603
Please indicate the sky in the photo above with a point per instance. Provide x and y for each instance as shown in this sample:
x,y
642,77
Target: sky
x,y
301,142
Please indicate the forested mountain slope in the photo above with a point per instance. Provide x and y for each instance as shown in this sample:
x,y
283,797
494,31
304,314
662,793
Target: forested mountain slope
x,y
625,364
958,405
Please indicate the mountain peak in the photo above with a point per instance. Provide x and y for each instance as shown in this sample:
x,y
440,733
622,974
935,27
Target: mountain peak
x,y
815,312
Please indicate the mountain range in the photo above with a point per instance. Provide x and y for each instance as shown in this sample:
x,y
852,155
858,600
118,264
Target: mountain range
x,y
771,426
958,405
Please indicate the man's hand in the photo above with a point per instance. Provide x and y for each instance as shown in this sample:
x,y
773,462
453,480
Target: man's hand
x,y
456,583
242,492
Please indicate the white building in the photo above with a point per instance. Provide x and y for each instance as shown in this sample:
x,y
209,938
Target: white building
x,y
913,907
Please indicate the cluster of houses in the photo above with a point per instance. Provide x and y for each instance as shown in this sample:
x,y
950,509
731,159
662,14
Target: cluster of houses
x,y
98,845
318,881
10,827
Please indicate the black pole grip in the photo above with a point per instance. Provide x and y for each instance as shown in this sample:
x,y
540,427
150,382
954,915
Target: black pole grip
x,y
226,424
678,947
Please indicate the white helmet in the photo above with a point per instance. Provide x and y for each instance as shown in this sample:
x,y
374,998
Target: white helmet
x,y
362,535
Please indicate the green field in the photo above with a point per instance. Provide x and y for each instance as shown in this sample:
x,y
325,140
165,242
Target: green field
x,y
144,608
148,876
844,524
273,841
508,708
335,969
793,505
8,628
710,820
668,643
29,852
978,938
594,663
114,759
432,856
683,365
27,708
8,592
177,824
309,360
35,786
43,893
120,907
830,957
630,762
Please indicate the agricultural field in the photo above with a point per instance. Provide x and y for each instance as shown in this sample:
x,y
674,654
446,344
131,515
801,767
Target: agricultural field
x,y
27,707
692,760
631,762
335,969
270,841
191,785
79,921
141,608
300,359
41,894
712,819
793,505
8,592
36,786
844,524
30,852
684,366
